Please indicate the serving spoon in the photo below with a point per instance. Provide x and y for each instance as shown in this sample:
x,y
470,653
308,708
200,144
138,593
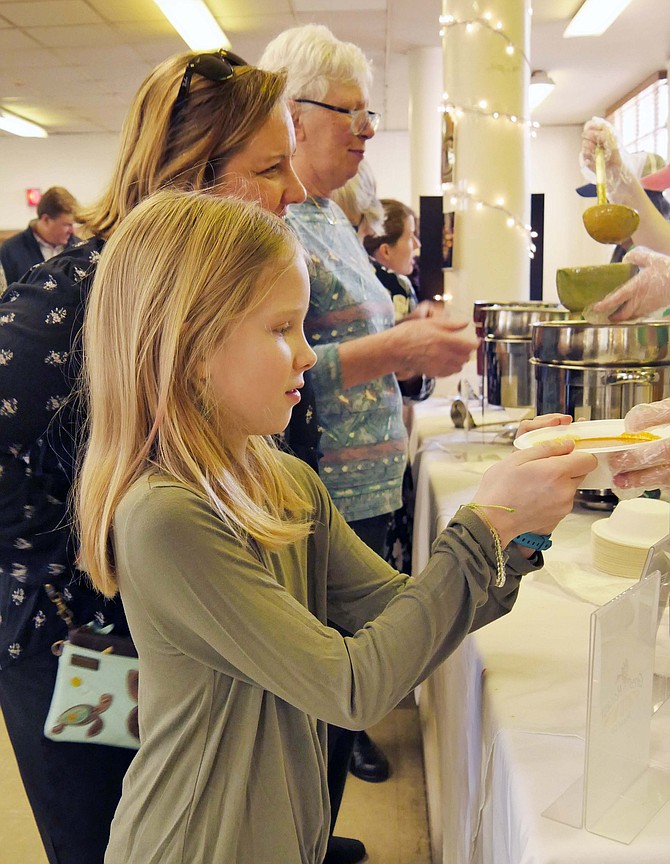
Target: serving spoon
x,y
608,223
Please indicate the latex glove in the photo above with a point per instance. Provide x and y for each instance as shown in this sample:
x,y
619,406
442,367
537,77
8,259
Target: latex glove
x,y
619,167
646,466
645,293
538,485
646,415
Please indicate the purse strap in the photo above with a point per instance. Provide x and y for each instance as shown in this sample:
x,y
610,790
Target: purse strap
x,y
62,608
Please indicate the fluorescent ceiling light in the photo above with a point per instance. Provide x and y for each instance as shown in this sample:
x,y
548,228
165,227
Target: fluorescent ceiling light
x,y
541,86
18,126
195,24
594,17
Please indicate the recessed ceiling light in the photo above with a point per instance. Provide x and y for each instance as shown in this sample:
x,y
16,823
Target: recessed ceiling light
x,y
594,17
195,24
18,126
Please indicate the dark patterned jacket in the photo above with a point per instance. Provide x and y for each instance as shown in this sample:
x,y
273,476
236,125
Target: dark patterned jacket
x,y
40,323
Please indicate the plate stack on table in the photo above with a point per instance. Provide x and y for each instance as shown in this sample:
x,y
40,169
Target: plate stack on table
x,y
620,543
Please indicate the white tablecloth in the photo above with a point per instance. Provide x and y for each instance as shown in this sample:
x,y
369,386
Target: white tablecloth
x,y
503,719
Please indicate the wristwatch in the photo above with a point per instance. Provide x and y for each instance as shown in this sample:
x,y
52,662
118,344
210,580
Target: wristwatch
x,y
539,542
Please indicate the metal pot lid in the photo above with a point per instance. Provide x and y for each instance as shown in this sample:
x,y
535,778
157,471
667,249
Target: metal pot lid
x,y
480,306
582,344
514,321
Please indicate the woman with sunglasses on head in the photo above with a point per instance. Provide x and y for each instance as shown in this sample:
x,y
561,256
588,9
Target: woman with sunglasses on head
x,y
198,122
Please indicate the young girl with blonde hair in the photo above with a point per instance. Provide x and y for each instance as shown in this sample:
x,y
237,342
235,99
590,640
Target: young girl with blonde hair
x,y
230,556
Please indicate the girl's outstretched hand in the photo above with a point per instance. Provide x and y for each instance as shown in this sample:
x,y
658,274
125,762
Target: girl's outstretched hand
x,y
542,421
538,485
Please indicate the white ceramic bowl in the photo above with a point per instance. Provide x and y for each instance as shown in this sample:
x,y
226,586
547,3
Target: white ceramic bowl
x,y
601,476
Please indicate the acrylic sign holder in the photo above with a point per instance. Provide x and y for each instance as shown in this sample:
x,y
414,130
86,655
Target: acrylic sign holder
x,y
658,558
620,791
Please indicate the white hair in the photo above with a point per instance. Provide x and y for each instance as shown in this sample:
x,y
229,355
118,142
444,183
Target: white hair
x,y
313,59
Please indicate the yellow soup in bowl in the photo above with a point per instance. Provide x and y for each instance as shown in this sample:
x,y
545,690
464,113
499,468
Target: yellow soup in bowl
x,y
610,442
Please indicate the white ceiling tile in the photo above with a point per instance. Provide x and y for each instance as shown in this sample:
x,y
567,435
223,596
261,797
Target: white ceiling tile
x,y
250,8
38,77
246,24
111,45
16,60
309,6
14,40
68,38
147,31
50,12
156,51
127,10
99,60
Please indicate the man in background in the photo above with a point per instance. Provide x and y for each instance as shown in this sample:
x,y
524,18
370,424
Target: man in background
x,y
46,236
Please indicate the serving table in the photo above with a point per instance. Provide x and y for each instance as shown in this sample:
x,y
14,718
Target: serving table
x,y
503,719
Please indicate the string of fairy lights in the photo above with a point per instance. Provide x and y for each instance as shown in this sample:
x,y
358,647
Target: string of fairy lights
x,y
486,20
462,195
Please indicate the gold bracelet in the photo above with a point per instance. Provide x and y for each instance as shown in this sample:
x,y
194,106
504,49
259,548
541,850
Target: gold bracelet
x,y
500,559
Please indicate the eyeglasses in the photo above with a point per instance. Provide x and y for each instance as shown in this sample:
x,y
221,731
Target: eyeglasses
x,y
360,117
217,66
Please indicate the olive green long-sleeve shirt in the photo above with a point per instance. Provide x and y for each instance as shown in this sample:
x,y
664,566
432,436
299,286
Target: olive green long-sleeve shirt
x,y
239,672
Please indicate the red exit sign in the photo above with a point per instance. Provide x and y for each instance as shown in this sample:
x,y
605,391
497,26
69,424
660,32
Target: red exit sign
x,y
33,197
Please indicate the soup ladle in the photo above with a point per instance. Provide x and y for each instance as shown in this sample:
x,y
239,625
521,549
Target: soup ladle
x,y
605,222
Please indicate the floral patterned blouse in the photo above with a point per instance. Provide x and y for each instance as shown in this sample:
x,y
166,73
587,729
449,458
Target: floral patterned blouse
x,y
363,438
40,322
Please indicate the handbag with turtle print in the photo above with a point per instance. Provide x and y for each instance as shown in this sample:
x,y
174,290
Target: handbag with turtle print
x,y
95,696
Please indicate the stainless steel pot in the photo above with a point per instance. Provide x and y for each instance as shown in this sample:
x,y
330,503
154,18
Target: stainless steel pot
x,y
583,344
509,379
597,392
514,320
506,328
479,317
480,307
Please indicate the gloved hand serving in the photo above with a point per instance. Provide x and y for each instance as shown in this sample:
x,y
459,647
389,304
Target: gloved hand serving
x,y
647,292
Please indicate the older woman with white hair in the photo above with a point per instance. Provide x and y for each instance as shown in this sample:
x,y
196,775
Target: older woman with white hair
x,y
350,320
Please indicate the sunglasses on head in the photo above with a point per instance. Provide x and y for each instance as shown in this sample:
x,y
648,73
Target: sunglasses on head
x,y
216,66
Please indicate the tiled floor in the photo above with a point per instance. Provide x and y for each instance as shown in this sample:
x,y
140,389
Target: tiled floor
x,y
390,817
19,840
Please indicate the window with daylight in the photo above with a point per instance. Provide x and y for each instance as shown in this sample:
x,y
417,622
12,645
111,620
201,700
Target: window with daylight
x,y
641,117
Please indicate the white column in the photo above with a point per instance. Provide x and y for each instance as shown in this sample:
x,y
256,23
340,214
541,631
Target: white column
x,y
425,121
486,79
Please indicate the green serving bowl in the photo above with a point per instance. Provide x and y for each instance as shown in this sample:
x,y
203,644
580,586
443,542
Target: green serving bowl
x,y
579,287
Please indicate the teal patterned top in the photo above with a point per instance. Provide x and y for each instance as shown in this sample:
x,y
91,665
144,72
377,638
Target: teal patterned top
x,y
363,441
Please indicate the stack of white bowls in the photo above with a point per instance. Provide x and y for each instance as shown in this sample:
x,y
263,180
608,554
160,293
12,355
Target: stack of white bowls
x,y
620,543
